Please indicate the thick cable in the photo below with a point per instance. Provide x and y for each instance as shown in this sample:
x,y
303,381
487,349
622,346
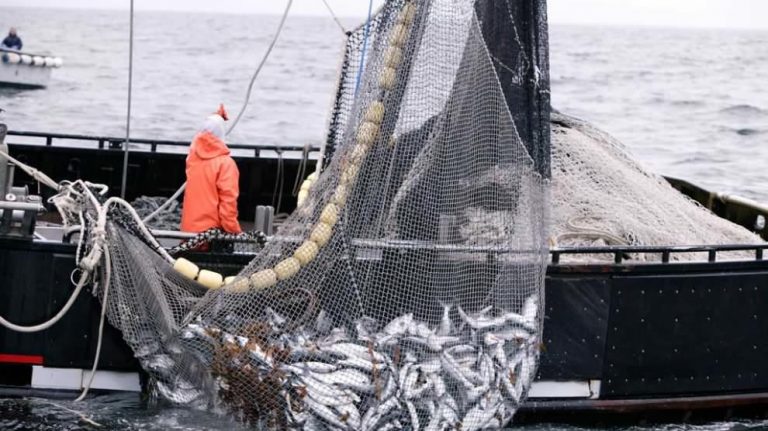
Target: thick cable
x,y
39,176
260,66
335,18
365,46
126,149
297,182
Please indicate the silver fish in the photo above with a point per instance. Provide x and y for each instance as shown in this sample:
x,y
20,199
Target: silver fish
x,y
350,416
356,362
445,323
378,412
414,415
352,379
530,310
400,325
477,417
351,349
482,322
323,323
324,412
326,394
366,328
454,370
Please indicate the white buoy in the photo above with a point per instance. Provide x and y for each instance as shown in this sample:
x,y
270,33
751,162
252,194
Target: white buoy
x,y
38,61
340,195
210,279
387,78
11,58
236,284
330,214
306,252
58,62
321,234
287,268
263,279
49,61
26,59
186,268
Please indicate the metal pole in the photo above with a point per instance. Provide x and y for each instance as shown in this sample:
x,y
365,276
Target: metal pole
x,y
127,144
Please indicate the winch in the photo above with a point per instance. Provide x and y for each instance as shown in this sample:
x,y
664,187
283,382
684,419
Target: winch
x,y
18,209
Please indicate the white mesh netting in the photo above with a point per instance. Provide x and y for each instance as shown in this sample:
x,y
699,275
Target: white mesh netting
x,y
601,196
404,293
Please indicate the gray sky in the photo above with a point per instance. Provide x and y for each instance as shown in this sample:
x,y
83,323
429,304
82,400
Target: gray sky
x,y
677,13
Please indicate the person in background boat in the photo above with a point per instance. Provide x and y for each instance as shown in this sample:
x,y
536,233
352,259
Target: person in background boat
x,y
12,41
210,199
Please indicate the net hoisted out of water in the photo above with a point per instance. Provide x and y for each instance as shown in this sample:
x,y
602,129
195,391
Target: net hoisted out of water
x,y
406,290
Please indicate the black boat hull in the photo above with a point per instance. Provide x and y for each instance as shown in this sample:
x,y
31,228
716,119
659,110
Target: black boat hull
x,y
623,340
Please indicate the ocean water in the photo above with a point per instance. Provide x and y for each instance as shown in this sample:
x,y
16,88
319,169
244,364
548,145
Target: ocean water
x,y
687,103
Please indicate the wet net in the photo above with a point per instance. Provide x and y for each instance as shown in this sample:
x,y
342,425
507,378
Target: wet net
x,y
405,292
602,197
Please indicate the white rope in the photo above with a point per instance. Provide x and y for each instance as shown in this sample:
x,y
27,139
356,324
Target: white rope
x,y
261,64
97,355
53,320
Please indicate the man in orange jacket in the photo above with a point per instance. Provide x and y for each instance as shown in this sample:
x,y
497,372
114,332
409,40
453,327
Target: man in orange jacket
x,y
210,199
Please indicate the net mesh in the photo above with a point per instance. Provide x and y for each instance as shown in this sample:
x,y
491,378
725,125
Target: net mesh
x,y
601,196
405,292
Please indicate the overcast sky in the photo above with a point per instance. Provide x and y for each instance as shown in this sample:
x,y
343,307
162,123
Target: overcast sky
x,y
677,13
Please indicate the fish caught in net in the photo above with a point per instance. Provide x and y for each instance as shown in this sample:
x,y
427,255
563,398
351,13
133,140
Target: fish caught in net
x,y
405,292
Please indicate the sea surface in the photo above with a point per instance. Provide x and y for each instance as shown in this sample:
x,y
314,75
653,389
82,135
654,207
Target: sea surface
x,y
687,103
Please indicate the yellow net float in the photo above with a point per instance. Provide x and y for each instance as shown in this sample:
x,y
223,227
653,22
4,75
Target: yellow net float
x,y
186,268
387,78
375,113
287,268
340,195
330,214
392,56
210,279
349,175
236,284
301,197
263,279
408,13
367,133
306,252
397,36
355,157
321,234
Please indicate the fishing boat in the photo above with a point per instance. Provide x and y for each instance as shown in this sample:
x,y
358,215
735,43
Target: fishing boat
x,y
667,332
624,340
26,70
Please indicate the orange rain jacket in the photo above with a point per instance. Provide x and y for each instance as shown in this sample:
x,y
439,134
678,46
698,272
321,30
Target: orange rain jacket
x,y
210,199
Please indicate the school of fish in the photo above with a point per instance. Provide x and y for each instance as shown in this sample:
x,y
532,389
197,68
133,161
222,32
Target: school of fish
x,y
469,372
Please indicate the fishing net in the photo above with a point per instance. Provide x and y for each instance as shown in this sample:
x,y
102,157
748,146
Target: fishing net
x,y
601,196
405,292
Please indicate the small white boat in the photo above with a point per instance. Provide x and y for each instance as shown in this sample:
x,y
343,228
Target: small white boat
x,y
25,70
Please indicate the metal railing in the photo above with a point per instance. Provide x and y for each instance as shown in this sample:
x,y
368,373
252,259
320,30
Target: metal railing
x,y
116,143
621,253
